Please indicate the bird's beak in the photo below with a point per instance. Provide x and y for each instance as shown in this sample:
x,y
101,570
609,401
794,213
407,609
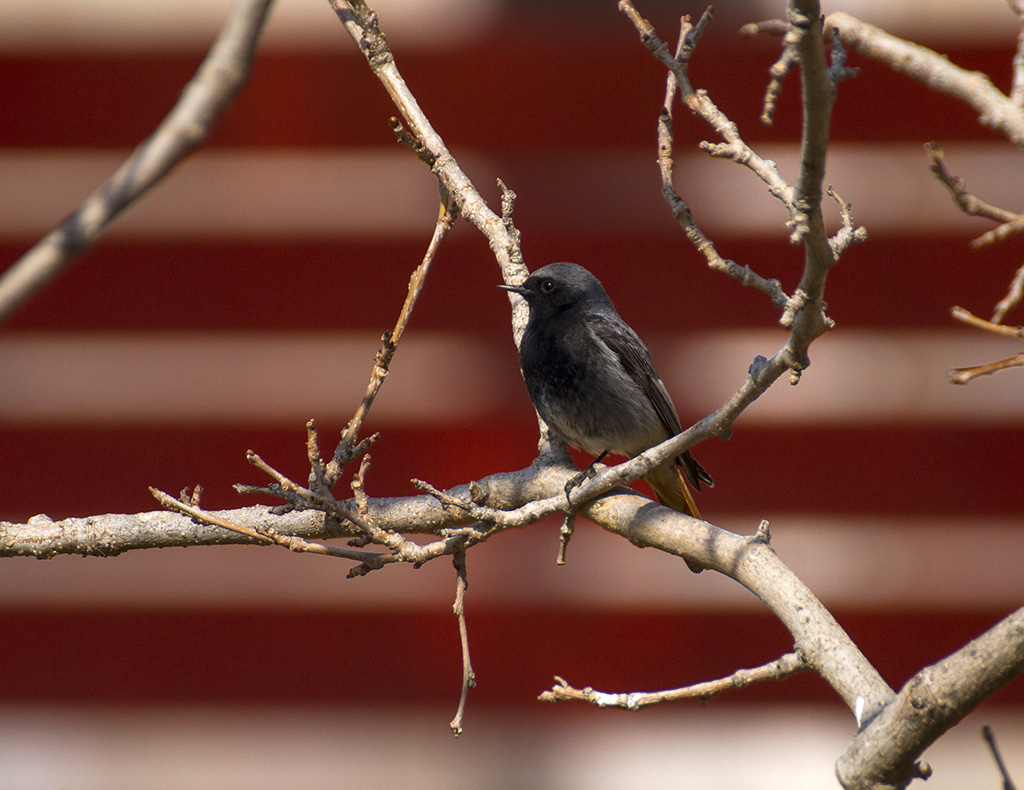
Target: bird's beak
x,y
516,289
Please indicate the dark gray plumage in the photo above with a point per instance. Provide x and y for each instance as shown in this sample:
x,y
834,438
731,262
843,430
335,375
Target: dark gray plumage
x,y
591,378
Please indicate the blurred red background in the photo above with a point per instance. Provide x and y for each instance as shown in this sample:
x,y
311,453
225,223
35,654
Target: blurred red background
x,y
902,509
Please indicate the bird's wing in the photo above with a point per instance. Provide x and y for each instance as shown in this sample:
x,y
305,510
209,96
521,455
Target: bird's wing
x,y
636,361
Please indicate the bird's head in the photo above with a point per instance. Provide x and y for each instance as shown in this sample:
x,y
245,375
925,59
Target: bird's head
x,y
558,287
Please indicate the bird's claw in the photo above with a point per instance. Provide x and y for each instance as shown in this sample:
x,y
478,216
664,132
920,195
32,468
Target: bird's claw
x,y
576,481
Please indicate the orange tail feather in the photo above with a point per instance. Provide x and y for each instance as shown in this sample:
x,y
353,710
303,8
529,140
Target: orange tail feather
x,y
670,486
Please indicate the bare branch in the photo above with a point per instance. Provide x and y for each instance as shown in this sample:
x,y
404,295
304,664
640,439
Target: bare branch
x,y
262,532
361,23
688,36
818,639
1012,298
990,739
968,202
847,233
701,105
1001,232
965,375
1011,222
459,608
779,669
778,71
885,751
221,76
807,318
565,533
445,219
995,110
967,317
1017,88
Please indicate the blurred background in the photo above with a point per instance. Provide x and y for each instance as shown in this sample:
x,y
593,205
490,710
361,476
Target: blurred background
x,y
248,293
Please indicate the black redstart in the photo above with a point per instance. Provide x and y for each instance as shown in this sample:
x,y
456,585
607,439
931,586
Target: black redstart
x,y
591,378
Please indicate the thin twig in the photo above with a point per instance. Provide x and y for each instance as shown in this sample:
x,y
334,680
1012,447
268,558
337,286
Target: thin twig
x,y
967,201
1000,232
361,23
292,542
847,233
990,739
701,105
459,608
356,512
967,317
565,533
390,340
688,36
1017,88
219,79
1012,298
781,668
965,375
778,71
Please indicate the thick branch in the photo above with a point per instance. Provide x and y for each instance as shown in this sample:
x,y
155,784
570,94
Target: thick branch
x,y
221,76
818,96
820,642
818,639
361,23
995,109
109,535
884,754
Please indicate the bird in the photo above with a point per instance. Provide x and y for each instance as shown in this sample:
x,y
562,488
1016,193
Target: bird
x,y
591,379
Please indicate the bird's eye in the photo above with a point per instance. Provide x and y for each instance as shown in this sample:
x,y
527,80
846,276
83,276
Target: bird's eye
x,y
547,286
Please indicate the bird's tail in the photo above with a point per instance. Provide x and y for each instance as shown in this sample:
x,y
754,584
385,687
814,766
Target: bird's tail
x,y
669,483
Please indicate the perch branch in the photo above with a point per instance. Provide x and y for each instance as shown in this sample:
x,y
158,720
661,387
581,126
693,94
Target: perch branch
x,y
818,639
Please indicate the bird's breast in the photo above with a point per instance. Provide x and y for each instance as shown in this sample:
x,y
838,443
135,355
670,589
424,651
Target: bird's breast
x,y
581,390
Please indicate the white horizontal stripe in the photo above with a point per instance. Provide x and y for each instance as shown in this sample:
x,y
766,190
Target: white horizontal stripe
x,y
29,25
126,25
933,23
339,193
864,564
231,194
242,377
856,376
889,186
267,747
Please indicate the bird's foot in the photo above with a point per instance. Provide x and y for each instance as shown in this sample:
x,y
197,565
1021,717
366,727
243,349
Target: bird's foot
x,y
576,481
